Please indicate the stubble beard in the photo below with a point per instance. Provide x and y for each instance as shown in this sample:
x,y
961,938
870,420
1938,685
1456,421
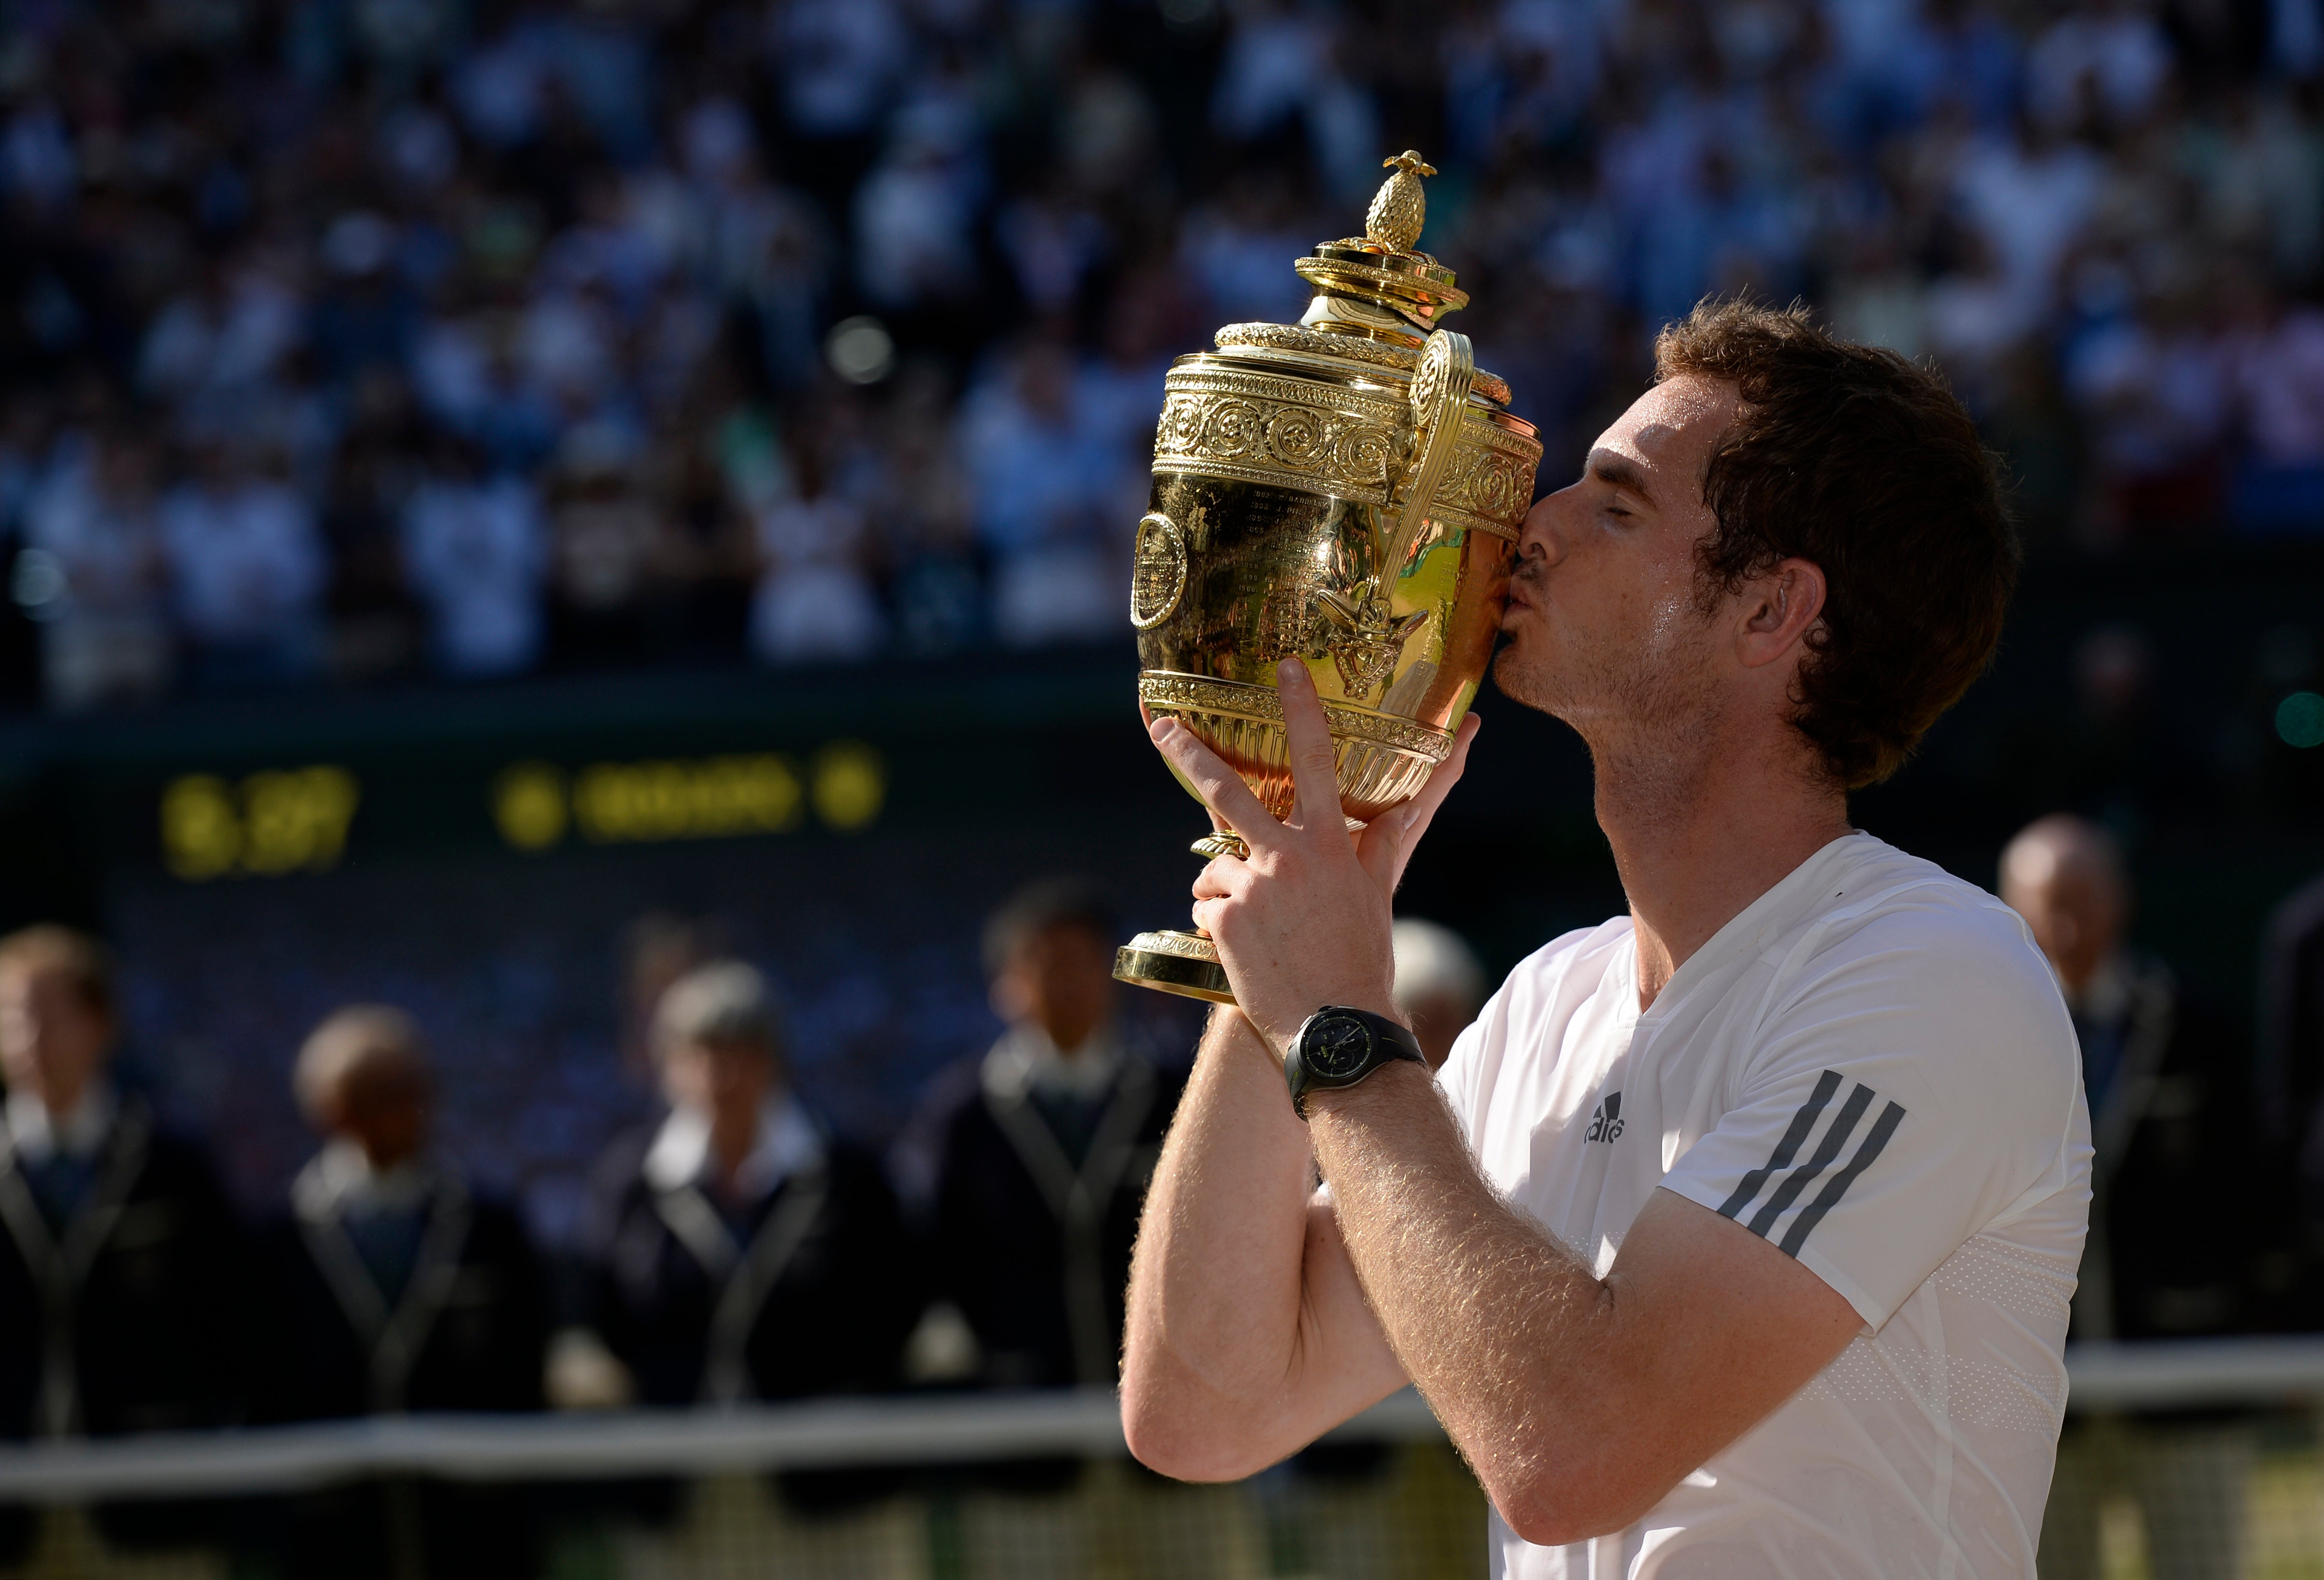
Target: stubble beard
x,y
1645,704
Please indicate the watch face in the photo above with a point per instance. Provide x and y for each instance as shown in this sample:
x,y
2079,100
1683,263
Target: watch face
x,y
1335,1048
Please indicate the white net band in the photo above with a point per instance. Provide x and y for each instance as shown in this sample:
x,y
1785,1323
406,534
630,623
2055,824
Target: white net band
x,y
968,1428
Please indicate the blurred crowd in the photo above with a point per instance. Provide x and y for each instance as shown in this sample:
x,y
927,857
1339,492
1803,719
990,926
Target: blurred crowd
x,y
358,339
738,1246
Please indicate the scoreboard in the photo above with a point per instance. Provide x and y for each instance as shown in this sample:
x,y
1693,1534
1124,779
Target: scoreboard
x,y
293,788
282,821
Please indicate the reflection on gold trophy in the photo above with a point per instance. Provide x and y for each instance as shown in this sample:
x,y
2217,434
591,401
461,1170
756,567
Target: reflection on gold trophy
x,y
1346,491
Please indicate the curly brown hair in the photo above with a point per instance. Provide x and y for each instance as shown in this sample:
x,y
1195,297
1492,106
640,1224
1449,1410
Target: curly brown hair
x,y
1854,458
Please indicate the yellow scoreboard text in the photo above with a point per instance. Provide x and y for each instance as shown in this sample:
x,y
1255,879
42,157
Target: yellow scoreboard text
x,y
536,804
283,821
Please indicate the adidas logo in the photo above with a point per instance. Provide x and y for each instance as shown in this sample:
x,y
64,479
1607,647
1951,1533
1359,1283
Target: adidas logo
x,y
1607,1123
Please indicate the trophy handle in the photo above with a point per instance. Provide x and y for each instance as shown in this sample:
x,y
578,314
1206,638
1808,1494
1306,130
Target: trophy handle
x,y
1440,393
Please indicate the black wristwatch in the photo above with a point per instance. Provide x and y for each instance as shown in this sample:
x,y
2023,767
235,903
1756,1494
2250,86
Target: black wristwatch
x,y
1338,1046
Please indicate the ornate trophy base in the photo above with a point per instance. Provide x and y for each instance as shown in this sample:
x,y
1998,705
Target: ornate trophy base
x,y
1186,963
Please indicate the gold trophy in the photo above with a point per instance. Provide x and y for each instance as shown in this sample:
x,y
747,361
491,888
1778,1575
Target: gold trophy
x,y
1346,491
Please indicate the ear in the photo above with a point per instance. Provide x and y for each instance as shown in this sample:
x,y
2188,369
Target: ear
x,y
1780,606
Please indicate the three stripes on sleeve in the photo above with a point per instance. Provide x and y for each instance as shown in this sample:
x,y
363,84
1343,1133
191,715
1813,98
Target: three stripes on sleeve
x,y
1796,1180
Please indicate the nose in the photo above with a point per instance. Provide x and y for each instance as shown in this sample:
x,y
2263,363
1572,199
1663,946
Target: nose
x,y
1541,542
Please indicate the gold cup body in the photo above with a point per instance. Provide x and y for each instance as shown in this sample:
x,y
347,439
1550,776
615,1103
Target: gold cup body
x,y
1309,504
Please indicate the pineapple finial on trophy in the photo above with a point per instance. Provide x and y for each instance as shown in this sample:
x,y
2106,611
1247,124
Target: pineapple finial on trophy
x,y
1377,286
1400,208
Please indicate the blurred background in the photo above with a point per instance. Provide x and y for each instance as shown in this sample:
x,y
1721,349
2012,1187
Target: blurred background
x,y
504,503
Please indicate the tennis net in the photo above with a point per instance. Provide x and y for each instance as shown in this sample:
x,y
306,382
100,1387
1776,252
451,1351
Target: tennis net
x,y
2201,1458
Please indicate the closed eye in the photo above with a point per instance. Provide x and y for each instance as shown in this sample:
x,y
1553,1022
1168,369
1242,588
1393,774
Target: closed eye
x,y
1618,471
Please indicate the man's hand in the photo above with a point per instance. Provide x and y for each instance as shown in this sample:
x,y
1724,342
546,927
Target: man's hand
x,y
1304,922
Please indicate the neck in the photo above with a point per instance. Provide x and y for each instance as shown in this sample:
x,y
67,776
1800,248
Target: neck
x,y
2078,982
733,1136
1068,1039
59,1100
386,1160
1702,829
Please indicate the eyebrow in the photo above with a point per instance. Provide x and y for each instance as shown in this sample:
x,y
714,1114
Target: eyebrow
x,y
1608,466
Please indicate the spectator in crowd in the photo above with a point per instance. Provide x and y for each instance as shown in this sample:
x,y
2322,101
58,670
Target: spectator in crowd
x,y
2278,365
1042,499
648,221
2178,1224
915,213
121,1267
922,502
739,1250
245,559
105,633
2158,397
815,600
604,534
394,1287
475,551
1439,984
224,339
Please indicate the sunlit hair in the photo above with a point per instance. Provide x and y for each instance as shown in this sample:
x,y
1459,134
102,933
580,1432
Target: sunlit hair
x,y
348,1038
1043,905
83,961
1434,961
725,1002
1854,458
2063,842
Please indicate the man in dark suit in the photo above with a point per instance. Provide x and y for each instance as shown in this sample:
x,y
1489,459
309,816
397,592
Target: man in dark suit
x,y
2178,1228
396,1288
1026,1169
1029,1165
2291,1078
121,1262
739,1251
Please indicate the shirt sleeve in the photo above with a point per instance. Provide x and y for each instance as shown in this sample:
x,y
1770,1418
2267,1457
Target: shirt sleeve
x,y
1903,1098
1457,1078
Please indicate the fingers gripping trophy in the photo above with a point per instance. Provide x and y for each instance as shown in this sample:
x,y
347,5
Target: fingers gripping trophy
x,y
1347,492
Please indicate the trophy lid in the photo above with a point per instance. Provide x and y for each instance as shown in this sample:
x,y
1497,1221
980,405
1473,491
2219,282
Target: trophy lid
x,y
1377,286
1376,297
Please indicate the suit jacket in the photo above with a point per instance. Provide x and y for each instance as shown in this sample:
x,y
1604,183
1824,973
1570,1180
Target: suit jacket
x,y
1029,1208
467,1331
2292,1043
810,1290
2180,1221
128,1318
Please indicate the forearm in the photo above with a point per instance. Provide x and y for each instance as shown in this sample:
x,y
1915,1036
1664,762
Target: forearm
x,y
1219,1376
1510,1337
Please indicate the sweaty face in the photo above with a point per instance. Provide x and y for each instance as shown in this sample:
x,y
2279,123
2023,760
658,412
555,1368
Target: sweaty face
x,y
1605,627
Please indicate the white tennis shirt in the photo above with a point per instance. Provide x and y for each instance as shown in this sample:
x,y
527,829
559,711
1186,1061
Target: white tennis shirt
x,y
1871,1068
